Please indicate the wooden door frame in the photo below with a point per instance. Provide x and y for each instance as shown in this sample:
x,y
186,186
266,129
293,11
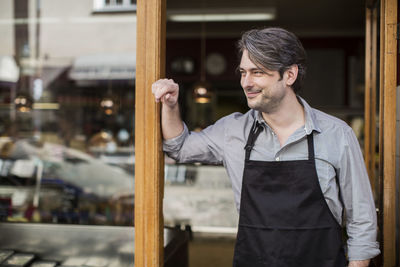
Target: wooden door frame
x,y
371,48
149,157
385,191
387,120
387,125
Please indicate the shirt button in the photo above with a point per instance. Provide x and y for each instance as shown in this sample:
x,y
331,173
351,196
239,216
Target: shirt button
x,y
277,158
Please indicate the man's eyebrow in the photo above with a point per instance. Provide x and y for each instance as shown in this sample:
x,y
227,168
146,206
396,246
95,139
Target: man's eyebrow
x,y
239,69
251,69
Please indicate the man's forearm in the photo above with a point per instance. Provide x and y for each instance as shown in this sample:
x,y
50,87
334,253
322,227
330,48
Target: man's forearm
x,y
171,122
167,91
364,263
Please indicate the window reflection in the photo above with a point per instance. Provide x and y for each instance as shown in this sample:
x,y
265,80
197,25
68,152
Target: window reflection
x,y
67,111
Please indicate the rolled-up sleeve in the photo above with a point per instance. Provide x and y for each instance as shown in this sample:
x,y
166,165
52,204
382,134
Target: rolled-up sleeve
x,y
360,212
206,146
173,145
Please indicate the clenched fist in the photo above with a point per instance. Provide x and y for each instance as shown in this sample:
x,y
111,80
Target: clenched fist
x,y
166,91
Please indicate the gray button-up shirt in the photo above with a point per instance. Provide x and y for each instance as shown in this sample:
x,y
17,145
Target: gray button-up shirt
x,y
337,156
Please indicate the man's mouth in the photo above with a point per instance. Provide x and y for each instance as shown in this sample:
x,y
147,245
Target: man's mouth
x,y
252,94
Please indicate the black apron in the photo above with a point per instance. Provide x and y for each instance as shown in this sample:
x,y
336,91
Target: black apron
x,y
284,218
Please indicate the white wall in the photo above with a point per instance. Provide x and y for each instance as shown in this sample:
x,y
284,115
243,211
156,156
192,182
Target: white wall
x,y
6,28
70,29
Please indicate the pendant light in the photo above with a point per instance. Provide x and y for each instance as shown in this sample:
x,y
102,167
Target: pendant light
x,y
23,101
107,103
202,93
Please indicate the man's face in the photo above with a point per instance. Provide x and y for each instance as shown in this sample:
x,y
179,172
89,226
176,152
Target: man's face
x,y
263,88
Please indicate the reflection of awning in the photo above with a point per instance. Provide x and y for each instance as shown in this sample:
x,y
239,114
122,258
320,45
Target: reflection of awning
x,y
104,67
9,71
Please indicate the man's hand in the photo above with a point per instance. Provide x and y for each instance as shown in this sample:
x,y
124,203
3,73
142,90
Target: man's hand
x,y
166,91
364,263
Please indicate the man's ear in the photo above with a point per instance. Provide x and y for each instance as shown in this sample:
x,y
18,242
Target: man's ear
x,y
291,73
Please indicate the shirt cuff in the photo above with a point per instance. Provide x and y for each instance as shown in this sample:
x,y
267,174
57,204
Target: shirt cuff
x,y
175,144
363,252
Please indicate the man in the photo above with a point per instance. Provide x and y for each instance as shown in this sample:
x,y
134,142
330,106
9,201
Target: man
x,y
294,170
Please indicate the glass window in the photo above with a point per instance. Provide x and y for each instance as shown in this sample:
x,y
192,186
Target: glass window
x,y
66,113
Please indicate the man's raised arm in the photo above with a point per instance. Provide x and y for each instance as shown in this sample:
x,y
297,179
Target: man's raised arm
x,y
167,91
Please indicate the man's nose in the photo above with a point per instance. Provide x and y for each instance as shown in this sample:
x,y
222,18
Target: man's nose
x,y
247,81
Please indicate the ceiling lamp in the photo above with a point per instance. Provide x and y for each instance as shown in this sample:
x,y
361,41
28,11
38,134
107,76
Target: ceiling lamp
x,y
23,103
107,104
202,95
201,90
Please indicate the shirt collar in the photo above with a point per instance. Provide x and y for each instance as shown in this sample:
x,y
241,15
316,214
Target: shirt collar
x,y
311,123
311,120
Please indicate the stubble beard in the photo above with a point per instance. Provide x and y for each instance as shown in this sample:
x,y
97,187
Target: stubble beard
x,y
267,104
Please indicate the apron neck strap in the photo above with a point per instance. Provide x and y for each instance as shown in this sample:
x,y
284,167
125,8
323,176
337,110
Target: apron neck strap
x,y
255,131
310,142
257,128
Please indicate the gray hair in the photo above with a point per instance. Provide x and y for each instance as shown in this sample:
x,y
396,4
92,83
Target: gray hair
x,y
275,49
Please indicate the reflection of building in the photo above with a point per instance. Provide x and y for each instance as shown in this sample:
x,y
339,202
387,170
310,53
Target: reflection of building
x,y
71,55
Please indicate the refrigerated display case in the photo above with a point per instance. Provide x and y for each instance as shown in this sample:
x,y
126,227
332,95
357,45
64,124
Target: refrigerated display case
x,y
63,207
81,245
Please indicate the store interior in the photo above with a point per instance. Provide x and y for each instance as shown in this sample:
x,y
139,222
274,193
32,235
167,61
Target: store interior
x,y
67,104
